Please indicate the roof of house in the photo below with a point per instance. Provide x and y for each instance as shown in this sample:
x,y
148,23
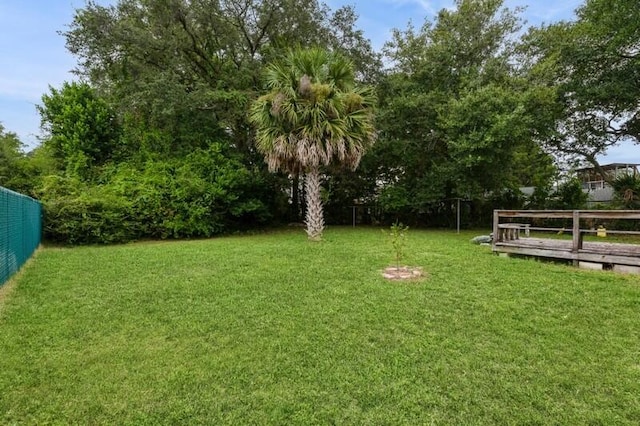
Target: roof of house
x,y
611,166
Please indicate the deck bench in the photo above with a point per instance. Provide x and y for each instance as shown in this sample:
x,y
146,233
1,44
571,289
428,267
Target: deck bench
x,y
511,231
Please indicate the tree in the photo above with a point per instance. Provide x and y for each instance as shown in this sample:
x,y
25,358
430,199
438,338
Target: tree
x,y
82,128
22,171
313,116
593,64
186,71
10,157
455,111
568,196
182,74
626,191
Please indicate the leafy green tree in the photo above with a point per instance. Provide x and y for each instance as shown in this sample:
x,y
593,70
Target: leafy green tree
x,y
593,64
10,157
185,72
81,127
22,171
569,196
456,113
182,74
346,39
313,116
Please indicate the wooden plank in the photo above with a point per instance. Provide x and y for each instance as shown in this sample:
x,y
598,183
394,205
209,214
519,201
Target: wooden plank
x,y
549,243
539,252
545,214
607,258
613,248
622,254
568,255
610,214
568,214
539,228
557,244
609,231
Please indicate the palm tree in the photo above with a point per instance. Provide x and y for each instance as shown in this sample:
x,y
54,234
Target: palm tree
x,y
313,116
626,190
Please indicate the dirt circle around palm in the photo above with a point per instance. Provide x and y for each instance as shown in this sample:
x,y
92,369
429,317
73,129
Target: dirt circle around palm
x,y
402,273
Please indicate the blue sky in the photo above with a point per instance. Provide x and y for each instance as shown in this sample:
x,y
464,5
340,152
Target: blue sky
x,y
33,55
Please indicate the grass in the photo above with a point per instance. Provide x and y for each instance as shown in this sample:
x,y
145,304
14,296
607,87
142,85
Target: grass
x,y
271,329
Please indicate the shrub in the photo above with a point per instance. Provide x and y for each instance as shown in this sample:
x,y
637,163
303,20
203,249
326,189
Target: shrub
x,y
75,213
203,194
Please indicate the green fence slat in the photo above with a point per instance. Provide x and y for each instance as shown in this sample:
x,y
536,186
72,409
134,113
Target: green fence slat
x,y
20,231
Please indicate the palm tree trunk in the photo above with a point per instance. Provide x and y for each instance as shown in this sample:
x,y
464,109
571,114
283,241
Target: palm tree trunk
x,y
315,219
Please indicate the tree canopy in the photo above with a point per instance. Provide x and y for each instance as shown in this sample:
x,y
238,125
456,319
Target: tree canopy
x,y
82,129
593,64
455,111
189,69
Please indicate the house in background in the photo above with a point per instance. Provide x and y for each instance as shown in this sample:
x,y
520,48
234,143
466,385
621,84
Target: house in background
x,y
595,184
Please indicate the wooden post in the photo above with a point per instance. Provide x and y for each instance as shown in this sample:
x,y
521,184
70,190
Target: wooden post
x,y
496,231
577,236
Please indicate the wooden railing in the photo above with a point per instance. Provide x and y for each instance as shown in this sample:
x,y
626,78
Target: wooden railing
x,y
511,230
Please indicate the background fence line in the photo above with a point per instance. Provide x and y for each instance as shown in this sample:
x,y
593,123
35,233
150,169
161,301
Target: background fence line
x,y
20,231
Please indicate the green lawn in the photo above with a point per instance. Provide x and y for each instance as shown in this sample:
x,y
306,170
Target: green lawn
x,y
272,329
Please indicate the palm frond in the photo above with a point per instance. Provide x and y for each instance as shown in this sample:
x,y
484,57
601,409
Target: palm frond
x,y
313,114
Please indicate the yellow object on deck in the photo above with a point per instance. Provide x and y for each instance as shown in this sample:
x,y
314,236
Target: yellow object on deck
x,y
601,232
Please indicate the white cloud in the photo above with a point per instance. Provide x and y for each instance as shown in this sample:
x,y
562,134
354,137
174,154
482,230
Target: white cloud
x,y
546,11
21,117
31,81
431,7
20,89
625,152
537,11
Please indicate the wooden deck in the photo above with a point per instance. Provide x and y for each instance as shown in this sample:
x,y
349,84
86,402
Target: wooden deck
x,y
511,238
606,253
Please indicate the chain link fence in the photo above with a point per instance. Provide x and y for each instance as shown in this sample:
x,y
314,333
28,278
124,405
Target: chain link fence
x,y
20,231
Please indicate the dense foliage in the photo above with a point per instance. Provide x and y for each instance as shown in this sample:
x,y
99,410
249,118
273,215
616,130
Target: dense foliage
x,y
156,139
202,194
627,191
11,159
455,111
